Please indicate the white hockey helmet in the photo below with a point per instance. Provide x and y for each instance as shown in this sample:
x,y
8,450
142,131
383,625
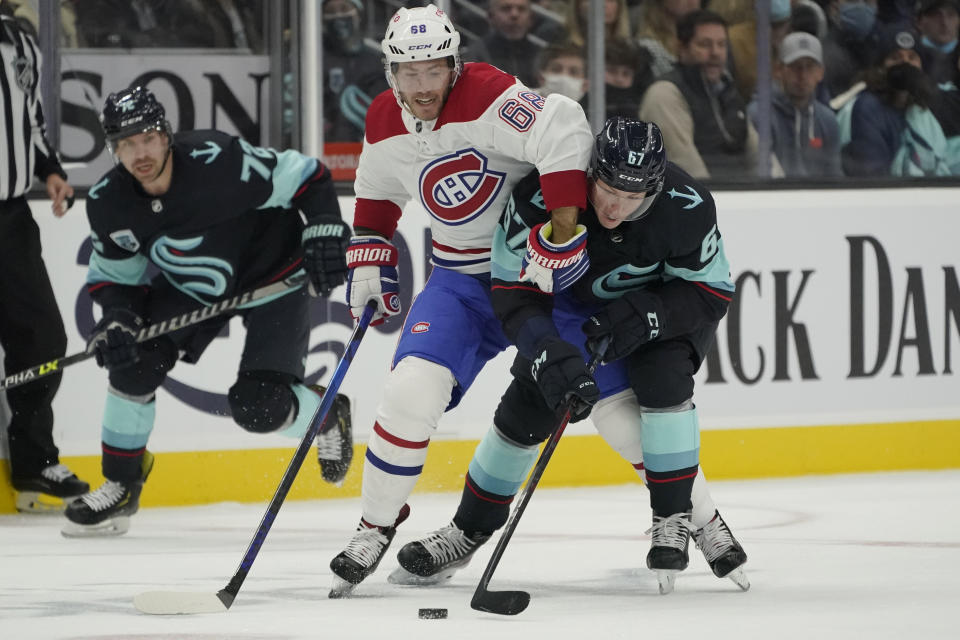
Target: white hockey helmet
x,y
417,34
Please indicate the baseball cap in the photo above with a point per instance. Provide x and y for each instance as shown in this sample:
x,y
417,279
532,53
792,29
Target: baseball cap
x,y
798,45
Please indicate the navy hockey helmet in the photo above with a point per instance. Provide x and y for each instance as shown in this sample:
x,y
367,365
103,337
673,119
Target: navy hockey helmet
x,y
628,155
132,111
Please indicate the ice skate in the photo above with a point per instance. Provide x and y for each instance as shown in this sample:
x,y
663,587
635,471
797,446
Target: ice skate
x,y
723,553
56,481
335,440
362,555
668,548
107,511
437,557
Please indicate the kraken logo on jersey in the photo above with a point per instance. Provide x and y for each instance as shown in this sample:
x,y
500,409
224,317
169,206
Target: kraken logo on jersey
x,y
457,188
125,240
624,278
197,276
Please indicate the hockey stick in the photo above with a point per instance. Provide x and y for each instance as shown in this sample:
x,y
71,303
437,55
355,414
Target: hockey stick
x,y
147,333
174,602
510,603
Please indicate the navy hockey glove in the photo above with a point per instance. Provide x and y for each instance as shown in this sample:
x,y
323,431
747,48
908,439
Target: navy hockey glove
x,y
561,373
325,241
372,261
554,267
114,339
631,321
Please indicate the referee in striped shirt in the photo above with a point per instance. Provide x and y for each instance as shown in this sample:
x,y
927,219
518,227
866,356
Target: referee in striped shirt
x,y
31,329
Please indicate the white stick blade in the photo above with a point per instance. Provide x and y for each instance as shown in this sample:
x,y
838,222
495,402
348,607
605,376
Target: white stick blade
x,y
177,602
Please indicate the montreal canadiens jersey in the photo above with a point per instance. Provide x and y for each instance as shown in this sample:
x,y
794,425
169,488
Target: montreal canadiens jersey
x,y
675,251
461,167
225,224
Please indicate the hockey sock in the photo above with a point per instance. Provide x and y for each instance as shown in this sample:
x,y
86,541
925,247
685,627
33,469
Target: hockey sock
x,y
127,423
671,452
496,473
307,403
392,468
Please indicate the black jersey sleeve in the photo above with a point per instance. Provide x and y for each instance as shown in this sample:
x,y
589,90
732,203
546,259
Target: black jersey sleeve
x,y
117,271
524,310
697,288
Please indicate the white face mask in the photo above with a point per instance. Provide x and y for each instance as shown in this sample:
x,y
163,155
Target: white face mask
x,y
562,84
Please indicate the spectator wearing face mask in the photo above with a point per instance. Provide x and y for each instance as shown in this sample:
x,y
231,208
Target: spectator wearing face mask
x,y
939,23
806,137
562,68
851,42
743,45
352,73
627,75
890,128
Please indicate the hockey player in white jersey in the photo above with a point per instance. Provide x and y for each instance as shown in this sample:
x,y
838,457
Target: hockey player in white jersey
x,y
454,138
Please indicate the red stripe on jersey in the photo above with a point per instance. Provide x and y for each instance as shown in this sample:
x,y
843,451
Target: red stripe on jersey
x,y
564,189
296,264
122,453
476,89
713,291
384,119
381,216
443,247
321,170
400,442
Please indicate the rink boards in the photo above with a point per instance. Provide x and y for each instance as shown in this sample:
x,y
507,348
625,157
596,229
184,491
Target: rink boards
x,y
837,355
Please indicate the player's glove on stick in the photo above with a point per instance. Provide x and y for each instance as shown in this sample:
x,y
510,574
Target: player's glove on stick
x,y
325,241
372,262
632,321
114,339
561,373
554,267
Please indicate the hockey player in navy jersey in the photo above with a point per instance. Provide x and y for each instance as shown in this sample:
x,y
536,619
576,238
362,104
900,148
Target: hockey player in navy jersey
x,y
658,284
452,139
216,216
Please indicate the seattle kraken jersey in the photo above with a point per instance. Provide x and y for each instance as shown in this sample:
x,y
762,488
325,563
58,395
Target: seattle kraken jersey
x,y
675,251
226,223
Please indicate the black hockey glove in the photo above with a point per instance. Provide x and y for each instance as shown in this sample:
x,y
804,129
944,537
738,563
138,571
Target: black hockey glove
x,y
631,321
114,339
325,243
561,373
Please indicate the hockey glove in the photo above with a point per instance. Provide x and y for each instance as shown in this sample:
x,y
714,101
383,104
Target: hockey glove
x,y
372,261
554,267
114,339
631,321
561,373
325,241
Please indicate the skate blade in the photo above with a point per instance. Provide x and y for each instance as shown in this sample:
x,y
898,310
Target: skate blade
x,y
666,579
739,578
403,577
36,502
341,588
116,526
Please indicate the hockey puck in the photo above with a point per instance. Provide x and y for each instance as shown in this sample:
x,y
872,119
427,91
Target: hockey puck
x,y
432,614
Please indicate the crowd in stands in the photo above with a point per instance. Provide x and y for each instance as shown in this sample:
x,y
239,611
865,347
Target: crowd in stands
x,y
859,87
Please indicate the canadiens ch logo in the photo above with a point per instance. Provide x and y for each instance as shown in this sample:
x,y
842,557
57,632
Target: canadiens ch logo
x,y
420,327
457,188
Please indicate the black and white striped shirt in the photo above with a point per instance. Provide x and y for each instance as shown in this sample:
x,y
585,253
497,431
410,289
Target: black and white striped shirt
x,y
24,149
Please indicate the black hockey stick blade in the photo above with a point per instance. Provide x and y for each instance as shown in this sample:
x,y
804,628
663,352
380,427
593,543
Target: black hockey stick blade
x,y
176,602
510,603
504,603
148,333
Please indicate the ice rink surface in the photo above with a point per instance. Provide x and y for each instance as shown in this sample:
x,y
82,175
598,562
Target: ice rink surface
x,y
861,556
